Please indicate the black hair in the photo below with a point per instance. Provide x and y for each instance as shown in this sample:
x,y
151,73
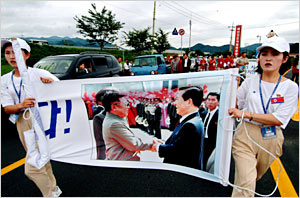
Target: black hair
x,y
283,68
10,44
193,92
109,97
214,94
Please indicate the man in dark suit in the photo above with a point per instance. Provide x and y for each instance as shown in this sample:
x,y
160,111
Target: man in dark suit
x,y
210,120
184,146
186,63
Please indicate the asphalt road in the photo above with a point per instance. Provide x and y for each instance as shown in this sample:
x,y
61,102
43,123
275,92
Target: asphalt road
x,y
86,181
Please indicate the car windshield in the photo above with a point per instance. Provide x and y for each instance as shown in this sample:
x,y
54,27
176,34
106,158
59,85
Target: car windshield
x,y
144,61
55,65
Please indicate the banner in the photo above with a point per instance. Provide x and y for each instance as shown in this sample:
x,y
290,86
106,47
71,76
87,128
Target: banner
x,y
237,43
67,109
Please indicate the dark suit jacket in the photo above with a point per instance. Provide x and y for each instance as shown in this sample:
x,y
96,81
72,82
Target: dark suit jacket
x,y
189,62
210,142
100,145
184,146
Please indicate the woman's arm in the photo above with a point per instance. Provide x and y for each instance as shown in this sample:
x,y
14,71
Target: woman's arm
x,y
267,119
28,102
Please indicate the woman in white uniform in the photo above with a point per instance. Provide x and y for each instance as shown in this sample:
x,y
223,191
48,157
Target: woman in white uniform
x,y
14,103
266,102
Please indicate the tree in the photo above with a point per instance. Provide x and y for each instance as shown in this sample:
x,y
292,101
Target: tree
x,y
140,40
160,41
100,27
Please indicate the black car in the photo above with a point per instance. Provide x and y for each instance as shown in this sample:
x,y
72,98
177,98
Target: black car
x,y
83,65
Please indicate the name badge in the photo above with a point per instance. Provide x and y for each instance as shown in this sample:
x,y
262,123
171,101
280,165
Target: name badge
x,y
13,118
277,100
268,132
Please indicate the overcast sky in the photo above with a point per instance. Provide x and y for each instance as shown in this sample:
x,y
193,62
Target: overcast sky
x,y
210,19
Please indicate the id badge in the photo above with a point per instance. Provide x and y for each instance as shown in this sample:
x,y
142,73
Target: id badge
x,y
268,132
13,118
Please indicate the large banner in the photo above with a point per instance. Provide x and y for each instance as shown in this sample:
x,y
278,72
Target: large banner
x,y
237,43
67,109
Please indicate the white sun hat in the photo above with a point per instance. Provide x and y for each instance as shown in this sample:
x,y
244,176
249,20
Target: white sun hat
x,y
277,43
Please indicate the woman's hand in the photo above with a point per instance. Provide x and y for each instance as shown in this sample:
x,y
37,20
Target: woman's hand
x,y
46,80
236,113
28,102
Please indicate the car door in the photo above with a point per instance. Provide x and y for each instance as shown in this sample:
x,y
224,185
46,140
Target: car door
x,y
101,66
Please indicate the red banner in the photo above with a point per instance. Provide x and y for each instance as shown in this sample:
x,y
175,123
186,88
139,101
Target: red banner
x,y
237,43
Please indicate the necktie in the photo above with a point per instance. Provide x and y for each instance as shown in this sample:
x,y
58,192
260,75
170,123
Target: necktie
x,y
206,124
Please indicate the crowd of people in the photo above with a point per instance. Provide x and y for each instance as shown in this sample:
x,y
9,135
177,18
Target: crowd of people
x,y
207,63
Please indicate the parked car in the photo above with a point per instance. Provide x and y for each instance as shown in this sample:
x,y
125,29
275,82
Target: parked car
x,y
79,66
149,64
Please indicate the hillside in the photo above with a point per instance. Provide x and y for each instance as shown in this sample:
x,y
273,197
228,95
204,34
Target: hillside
x,y
55,40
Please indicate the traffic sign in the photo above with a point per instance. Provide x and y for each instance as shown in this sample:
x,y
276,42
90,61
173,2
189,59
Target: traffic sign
x,y
181,32
174,32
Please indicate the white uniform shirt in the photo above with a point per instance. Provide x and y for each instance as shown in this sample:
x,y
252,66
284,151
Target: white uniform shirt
x,y
8,93
126,66
249,98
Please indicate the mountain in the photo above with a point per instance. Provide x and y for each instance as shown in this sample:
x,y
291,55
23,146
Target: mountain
x,y
56,40
250,48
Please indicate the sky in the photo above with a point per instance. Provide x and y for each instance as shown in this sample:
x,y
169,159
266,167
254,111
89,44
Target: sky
x,y
210,20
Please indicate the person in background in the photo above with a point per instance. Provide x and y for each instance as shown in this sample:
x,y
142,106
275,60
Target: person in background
x,y
14,103
212,64
242,62
98,124
210,120
174,63
228,62
186,63
220,63
295,70
266,103
126,70
203,64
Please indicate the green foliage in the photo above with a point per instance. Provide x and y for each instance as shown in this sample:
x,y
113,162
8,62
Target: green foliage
x,y
161,42
140,40
100,27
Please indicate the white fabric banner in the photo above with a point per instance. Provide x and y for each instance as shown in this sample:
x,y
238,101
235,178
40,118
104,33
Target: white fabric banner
x,y
67,108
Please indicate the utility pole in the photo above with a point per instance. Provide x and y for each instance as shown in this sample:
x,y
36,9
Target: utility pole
x,y
153,28
231,29
190,35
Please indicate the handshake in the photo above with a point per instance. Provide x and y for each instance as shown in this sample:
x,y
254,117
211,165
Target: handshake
x,y
156,143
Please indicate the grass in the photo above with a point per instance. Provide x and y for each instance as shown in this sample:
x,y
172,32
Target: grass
x,y
5,68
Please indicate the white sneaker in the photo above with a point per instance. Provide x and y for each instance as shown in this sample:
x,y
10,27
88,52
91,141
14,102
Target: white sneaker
x,y
56,192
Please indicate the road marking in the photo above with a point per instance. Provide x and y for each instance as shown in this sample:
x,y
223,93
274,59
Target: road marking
x,y
285,186
12,166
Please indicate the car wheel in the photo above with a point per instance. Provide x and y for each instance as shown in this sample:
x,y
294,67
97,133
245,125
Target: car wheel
x,y
152,72
131,74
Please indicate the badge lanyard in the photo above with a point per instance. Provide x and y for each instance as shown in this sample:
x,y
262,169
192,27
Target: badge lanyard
x,y
261,98
18,93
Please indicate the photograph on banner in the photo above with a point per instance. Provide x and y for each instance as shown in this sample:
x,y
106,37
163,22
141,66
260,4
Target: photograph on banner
x,y
151,117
